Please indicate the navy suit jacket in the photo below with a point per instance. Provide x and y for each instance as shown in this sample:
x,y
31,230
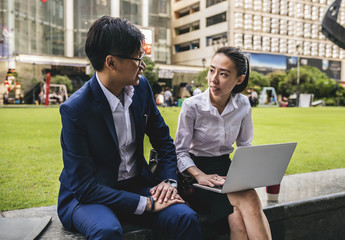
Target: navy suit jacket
x,y
91,153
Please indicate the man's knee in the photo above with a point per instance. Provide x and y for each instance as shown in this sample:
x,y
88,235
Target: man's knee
x,y
188,225
106,232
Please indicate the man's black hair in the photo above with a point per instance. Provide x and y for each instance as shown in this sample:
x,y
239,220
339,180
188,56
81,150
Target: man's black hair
x,y
109,35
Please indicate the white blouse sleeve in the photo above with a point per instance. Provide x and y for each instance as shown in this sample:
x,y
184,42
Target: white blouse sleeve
x,y
184,136
245,136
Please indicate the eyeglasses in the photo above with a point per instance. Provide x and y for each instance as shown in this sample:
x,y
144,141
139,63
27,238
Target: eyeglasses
x,y
141,59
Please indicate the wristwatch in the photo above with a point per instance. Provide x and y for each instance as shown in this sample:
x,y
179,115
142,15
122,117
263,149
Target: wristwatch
x,y
172,182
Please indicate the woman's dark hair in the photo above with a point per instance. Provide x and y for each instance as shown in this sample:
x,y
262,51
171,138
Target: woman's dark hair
x,y
109,35
241,63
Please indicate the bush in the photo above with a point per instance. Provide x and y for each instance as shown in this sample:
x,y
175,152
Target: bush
x,y
58,79
330,101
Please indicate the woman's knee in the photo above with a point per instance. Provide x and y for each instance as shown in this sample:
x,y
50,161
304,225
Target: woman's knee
x,y
245,200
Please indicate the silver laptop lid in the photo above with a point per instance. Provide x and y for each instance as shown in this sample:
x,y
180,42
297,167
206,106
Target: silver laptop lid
x,y
258,166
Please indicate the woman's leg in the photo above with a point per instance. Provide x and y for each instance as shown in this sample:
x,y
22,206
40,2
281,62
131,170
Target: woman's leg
x,y
237,228
255,221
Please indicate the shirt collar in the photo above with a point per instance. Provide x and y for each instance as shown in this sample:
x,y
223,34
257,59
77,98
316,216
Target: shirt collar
x,y
207,106
113,100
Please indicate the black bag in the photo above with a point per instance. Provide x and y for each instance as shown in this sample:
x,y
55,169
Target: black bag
x,y
153,161
185,187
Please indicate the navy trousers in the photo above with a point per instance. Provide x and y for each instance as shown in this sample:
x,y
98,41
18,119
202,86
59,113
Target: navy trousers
x,y
98,221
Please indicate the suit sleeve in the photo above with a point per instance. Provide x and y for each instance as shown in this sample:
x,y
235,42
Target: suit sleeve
x,y
79,167
160,139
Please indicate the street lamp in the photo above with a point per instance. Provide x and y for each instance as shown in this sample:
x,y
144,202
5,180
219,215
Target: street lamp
x,y
298,74
203,73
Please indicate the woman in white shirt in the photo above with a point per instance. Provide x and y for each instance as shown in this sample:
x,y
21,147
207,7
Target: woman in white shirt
x,y
209,124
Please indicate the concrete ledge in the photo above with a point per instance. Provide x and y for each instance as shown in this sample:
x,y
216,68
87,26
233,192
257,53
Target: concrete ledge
x,y
316,218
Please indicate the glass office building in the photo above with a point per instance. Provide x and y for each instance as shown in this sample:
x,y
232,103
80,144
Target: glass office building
x,y
49,35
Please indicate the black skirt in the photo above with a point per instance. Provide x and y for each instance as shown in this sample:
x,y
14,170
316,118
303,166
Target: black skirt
x,y
215,206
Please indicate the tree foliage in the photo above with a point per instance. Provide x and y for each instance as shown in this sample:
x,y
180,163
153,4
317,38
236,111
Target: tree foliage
x,y
150,72
201,79
258,81
312,81
59,79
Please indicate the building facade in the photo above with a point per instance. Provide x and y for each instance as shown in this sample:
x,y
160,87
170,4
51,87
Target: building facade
x,y
274,33
41,36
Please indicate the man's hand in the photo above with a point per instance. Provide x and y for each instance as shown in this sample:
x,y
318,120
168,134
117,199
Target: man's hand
x,y
160,206
164,192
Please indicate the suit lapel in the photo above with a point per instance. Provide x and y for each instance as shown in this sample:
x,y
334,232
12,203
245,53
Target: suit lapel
x,y
104,108
135,111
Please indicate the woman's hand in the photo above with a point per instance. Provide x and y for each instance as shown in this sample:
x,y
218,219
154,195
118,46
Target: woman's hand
x,y
205,179
209,179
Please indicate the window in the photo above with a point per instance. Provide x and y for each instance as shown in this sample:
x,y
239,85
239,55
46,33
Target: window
x,y
238,20
239,40
266,44
283,27
257,43
291,46
248,4
187,28
212,2
275,45
217,39
275,25
187,11
314,49
257,23
216,19
248,22
266,24
321,50
187,46
248,41
282,45
275,7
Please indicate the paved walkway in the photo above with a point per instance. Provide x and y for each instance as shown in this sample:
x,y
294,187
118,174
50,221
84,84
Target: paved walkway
x,y
307,185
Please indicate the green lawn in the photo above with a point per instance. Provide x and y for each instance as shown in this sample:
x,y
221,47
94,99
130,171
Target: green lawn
x,y
31,156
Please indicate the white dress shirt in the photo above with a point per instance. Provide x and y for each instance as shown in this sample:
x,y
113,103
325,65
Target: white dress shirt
x,y
202,131
125,132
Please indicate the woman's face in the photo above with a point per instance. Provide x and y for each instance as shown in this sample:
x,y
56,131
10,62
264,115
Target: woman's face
x,y
222,76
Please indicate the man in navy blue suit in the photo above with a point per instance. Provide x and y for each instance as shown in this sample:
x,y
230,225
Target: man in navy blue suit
x,y
106,178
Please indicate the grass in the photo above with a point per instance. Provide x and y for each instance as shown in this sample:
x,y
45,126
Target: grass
x,y
31,159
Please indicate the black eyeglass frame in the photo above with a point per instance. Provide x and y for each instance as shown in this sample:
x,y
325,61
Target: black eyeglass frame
x,y
141,59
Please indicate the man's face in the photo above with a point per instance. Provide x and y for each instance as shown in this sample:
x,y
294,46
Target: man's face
x,y
131,67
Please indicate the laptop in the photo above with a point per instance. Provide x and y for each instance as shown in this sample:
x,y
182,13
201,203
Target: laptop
x,y
255,166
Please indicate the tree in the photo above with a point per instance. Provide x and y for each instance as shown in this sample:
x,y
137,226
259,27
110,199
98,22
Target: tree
x,y
275,78
59,79
201,79
312,80
258,81
150,72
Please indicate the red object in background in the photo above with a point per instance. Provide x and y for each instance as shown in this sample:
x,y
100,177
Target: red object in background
x,y
275,189
47,89
44,1
147,48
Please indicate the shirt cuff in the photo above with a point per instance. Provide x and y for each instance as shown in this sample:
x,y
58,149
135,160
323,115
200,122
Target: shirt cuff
x,y
185,163
141,206
172,182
